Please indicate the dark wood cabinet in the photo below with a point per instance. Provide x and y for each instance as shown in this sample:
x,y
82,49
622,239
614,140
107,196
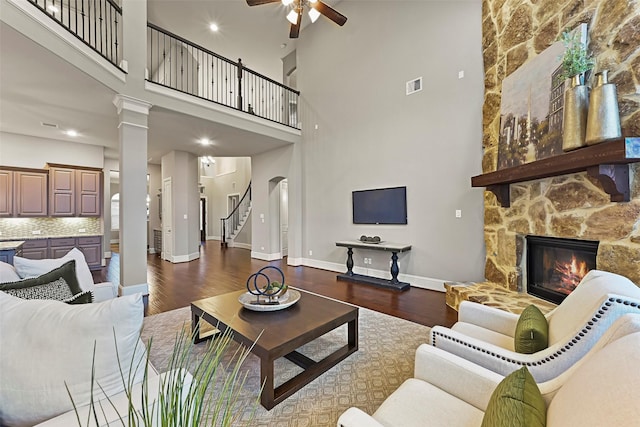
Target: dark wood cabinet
x,y
62,201
6,193
30,193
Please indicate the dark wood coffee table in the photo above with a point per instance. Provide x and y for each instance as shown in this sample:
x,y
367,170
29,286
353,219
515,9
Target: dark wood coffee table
x,y
284,332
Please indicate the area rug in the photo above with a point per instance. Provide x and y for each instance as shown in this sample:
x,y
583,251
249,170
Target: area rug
x,y
385,359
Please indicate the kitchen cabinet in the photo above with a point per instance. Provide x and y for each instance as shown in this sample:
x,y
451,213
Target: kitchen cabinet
x,y
89,192
75,191
57,247
62,201
30,193
36,249
6,193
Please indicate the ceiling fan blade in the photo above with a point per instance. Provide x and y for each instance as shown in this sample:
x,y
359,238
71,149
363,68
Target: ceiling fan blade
x,y
329,12
294,32
259,2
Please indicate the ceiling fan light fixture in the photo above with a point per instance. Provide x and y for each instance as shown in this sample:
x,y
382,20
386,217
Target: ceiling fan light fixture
x,y
313,14
292,16
287,2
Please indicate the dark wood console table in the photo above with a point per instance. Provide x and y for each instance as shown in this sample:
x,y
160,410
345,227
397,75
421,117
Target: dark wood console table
x,y
394,248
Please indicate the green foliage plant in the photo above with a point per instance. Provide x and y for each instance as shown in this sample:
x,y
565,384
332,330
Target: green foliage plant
x,y
576,59
177,402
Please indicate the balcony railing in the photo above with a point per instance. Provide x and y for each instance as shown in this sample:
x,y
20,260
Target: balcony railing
x,y
184,66
94,22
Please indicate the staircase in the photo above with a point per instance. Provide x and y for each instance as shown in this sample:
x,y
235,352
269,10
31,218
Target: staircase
x,y
234,223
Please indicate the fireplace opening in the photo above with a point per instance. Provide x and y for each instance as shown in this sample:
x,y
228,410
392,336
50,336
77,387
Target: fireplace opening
x,y
556,266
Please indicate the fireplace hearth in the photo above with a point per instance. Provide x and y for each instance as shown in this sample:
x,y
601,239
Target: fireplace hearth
x,y
555,266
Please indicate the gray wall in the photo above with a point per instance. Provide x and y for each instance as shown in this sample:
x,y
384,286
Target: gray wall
x,y
370,134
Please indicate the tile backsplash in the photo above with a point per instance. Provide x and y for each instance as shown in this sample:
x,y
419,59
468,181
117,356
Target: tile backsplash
x,y
33,228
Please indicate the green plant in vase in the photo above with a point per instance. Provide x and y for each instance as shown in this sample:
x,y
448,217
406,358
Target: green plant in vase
x,y
576,61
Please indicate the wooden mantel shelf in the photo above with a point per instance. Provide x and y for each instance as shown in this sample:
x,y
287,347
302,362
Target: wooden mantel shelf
x,y
607,161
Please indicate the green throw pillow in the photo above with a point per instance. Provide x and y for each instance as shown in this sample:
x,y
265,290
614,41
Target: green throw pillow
x,y
58,284
516,402
85,297
532,331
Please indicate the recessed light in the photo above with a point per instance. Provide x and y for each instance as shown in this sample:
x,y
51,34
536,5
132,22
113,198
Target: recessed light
x,y
213,27
72,133
204,141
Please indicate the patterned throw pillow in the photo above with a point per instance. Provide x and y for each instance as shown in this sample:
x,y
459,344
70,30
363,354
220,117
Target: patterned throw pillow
x,y
59,284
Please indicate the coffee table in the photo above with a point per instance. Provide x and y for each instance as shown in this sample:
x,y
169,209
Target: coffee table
x,y
284,332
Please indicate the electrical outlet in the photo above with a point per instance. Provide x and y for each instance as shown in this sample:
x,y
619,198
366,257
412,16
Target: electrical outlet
x,y
310,253
458,213
461,74
36,232
82,230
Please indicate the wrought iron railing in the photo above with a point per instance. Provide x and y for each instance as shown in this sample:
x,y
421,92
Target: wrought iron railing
x,y
179,64
230,224
97,23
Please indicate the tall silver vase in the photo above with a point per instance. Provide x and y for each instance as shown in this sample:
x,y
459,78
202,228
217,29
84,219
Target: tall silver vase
x,y
603,120
574,123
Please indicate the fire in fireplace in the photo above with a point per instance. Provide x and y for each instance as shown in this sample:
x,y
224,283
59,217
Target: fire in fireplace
x,y
556,266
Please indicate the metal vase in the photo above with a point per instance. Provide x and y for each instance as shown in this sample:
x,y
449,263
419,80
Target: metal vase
x,y
603,120
574,123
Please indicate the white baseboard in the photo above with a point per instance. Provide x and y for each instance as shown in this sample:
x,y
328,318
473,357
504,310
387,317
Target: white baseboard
x,y
294,262
233,244
185,258
142,288
415,281
266,257
213,238
152,251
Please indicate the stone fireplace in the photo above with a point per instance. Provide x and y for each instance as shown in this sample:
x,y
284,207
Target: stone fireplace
x,y
555,267
575,205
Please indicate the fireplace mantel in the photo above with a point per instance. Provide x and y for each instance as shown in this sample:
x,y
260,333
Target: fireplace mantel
x,y
608,162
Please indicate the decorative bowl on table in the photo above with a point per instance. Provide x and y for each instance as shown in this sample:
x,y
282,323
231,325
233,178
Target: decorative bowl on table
x,y
265,294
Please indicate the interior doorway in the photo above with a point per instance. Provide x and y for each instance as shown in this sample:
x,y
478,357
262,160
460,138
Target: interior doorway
x,y
278,217
234,221
203,219
167,221
284,218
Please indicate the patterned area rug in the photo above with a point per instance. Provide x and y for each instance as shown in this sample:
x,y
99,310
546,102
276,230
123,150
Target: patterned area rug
x,y
383,361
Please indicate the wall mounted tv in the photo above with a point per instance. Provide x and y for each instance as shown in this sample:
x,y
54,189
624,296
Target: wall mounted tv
x,y
380,206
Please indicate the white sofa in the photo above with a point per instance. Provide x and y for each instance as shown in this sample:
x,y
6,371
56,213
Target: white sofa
x,y
485,335
25,268
47,345
450,391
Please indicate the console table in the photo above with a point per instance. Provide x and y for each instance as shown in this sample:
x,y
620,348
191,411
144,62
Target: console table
x,y
394,248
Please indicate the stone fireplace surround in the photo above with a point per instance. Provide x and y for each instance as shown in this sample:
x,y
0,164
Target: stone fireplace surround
x,y
574,205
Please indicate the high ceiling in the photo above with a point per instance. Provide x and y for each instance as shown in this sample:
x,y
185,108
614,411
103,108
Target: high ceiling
x,y
36,86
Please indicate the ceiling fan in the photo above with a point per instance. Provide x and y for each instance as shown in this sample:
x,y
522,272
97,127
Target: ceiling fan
x,y
316,8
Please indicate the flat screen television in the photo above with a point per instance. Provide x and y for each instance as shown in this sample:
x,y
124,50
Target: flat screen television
x,y
380,206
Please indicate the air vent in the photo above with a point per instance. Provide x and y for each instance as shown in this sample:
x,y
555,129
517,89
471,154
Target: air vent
x,y
49,125
414,86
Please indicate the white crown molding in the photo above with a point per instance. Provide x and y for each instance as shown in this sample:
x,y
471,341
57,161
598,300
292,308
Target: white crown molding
x,y
129,103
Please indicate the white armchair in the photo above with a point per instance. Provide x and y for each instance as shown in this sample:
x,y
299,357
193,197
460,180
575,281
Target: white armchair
x,y
485,335
451,391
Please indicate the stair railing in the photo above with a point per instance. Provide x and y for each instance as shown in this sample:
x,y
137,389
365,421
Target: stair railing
x,y
232,221
179,64
97,23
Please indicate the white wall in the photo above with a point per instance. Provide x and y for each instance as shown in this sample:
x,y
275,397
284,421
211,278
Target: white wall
x,y
370,134
32,152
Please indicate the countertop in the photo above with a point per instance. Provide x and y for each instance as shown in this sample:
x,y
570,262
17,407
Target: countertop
x,y
11,244
47,236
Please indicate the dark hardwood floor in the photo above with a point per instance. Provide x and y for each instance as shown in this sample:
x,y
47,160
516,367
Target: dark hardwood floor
x,y
219,271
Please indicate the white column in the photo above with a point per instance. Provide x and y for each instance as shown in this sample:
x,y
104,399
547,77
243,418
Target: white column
x,y
133,114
